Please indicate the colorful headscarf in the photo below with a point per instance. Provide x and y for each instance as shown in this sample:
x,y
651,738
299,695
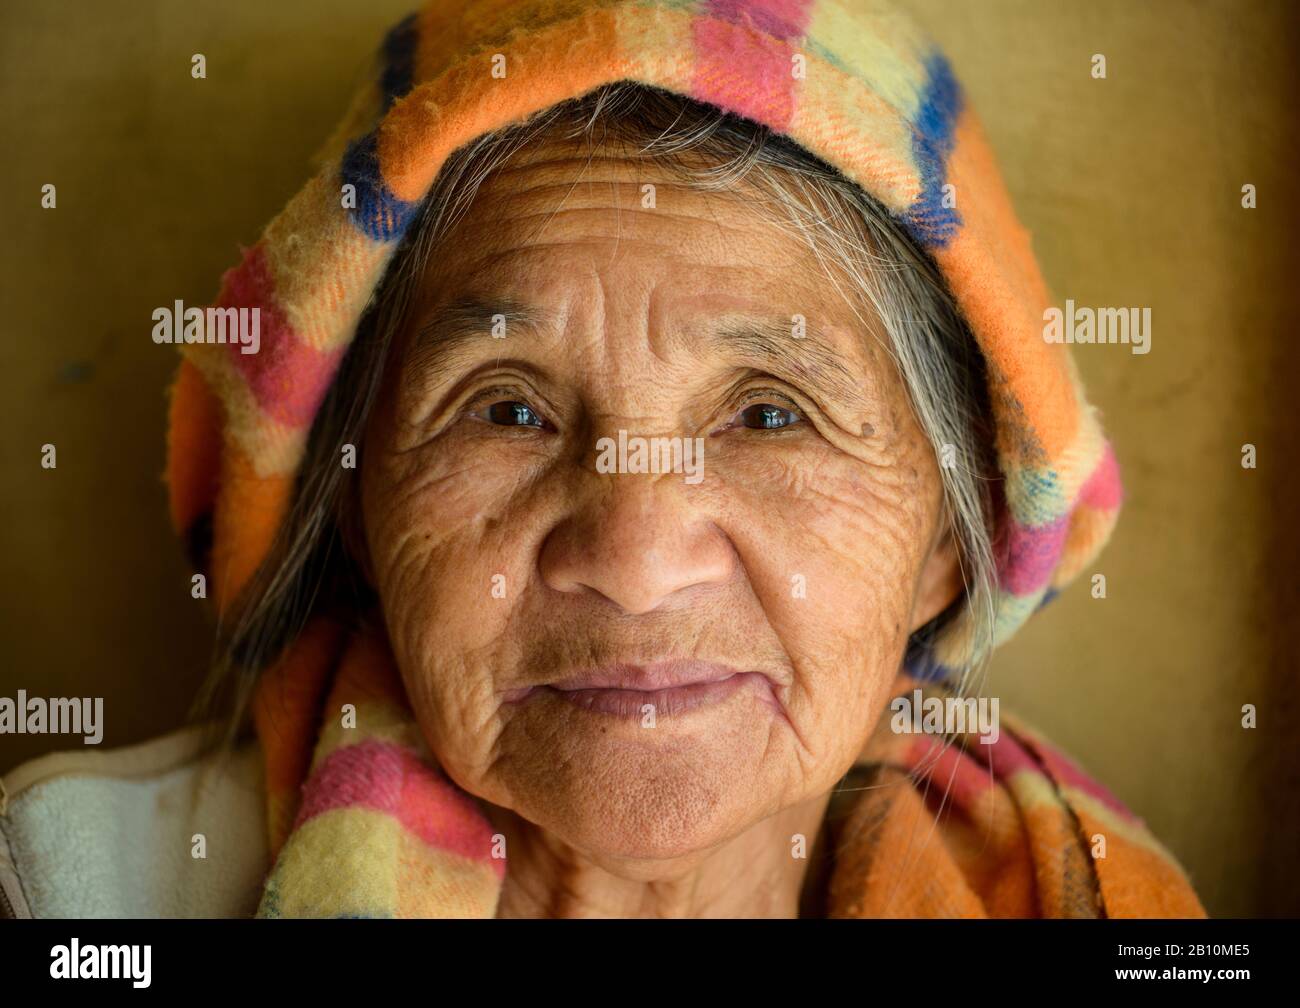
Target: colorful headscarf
x,y
853,82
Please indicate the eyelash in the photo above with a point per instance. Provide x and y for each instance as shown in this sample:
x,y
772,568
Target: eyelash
x,y
502,393
771,394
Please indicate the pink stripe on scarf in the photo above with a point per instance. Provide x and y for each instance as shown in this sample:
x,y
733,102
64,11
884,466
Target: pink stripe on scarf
x,y
1103,490
1009,756
288,378
1030,553
1066,773
782,19
743,57
388,778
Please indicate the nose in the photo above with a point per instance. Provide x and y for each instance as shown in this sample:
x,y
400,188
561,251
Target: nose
x,y
638,545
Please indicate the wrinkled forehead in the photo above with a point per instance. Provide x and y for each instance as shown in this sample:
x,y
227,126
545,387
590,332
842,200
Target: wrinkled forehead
x,y
567,244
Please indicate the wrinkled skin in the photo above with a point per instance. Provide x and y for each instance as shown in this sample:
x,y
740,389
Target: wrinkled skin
x,y
604,815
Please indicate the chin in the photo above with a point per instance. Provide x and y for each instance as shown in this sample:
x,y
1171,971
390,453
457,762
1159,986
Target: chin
x,y
624,807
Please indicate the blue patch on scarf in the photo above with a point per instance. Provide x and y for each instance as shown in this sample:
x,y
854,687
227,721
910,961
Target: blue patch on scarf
x,y
398,76
378,213
930,222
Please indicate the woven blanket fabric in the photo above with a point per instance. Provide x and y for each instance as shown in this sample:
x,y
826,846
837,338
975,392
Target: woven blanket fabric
x,y
851,81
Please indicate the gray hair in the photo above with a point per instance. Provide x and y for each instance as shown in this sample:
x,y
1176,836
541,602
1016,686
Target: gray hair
x,y
863,249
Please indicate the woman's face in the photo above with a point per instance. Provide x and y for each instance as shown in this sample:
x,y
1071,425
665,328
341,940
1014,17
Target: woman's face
x,y
644,664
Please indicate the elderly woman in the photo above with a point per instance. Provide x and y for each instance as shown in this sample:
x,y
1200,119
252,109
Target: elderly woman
x,y
650,434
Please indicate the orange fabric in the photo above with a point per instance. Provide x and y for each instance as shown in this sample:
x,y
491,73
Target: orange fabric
x,y
247,517
921,828
193,447
286,714
470,102
1003,305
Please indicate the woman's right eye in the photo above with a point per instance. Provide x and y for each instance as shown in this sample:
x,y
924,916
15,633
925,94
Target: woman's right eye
x,y
511,413
768,416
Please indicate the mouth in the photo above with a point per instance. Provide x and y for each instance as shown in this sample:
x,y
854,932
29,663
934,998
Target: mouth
x,y
664,688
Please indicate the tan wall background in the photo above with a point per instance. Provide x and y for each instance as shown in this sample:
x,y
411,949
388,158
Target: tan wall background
x,y
1131,186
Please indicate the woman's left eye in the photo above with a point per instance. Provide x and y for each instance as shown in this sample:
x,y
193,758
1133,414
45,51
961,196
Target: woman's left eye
x,y
511,413
766,416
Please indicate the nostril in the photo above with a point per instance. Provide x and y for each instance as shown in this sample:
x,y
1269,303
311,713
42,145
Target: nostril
x,y
636,558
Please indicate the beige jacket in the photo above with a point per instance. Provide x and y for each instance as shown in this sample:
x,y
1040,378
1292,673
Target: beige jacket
x,y
153,830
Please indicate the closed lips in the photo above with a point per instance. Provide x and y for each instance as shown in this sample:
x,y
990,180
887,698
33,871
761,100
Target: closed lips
x,y
668,688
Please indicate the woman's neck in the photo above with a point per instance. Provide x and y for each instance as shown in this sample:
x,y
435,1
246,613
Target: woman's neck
x,y
756,874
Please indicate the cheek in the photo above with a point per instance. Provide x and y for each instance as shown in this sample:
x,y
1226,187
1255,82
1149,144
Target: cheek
x,y
833,547
447,533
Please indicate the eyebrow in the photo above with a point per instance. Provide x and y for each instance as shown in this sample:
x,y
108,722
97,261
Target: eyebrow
x,y
773,344
451,331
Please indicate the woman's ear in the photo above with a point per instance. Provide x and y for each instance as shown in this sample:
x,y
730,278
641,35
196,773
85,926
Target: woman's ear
x,y
941,582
